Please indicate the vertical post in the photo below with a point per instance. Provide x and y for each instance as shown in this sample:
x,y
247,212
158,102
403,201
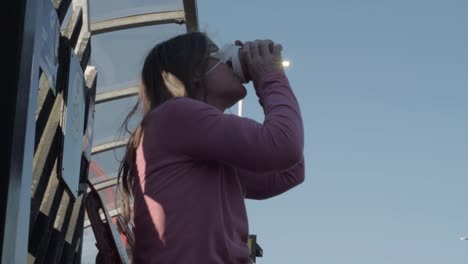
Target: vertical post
x,y
191,16
86,28
15,213
239,109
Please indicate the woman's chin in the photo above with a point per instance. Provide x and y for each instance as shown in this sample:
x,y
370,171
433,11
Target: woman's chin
x,y
244,92
238,95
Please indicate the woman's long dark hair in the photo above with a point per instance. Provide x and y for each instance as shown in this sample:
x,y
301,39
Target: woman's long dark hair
x,y
184,56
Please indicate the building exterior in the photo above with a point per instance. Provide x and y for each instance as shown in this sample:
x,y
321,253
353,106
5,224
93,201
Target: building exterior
x,y
68,92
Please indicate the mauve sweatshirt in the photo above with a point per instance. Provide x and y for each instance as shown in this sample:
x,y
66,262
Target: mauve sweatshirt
x,y
196,165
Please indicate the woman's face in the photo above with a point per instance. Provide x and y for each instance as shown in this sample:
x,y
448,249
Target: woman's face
x,y
224,88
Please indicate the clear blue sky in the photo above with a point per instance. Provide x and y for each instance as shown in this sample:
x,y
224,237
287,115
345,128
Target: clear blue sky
x,y
383,88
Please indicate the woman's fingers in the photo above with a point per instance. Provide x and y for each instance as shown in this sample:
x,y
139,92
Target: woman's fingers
x,y
239,43
245,53
265,47
277,48
260,57
254,52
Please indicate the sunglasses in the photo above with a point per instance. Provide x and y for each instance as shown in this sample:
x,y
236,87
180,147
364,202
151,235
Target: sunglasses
x,y
224,55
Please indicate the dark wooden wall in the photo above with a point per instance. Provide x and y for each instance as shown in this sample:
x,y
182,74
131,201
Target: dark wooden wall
x,y
57,215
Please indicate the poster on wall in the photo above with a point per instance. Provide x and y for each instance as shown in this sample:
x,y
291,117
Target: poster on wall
x,y
47,41
74,108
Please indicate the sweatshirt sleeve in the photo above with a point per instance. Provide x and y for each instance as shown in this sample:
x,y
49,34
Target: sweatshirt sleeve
x,y
203,132
259,186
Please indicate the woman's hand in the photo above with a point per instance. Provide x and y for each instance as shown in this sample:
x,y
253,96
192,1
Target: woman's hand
x,y
259,58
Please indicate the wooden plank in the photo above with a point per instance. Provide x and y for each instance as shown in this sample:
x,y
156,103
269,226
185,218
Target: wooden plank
x,y
48,142
44,232
83,50
44,87
51,192
45,105
140,20
90,76
41,189
73,29
73,231
104,184
42,180
44,226
109,146
72,227
84,4
60,229
117,94
62,8
41,229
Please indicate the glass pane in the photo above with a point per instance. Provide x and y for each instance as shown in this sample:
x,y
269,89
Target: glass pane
x,y
106,9
108,198
89,251
119,56
105,165
108,119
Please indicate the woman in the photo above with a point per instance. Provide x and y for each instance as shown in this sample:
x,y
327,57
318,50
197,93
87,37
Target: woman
x,y
189,166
